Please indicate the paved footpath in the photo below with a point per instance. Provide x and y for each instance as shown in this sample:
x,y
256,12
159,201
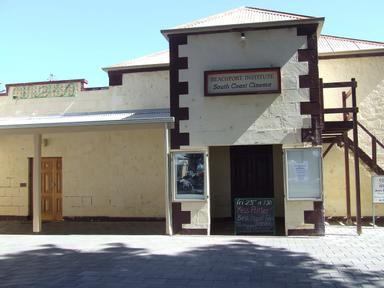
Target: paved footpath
x,y
340,259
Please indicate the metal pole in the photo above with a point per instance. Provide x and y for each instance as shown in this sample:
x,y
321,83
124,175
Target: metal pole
x,y
347,178
373,201
356,156
168,207
373,214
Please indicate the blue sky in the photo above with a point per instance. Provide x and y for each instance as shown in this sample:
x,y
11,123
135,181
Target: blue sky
x,y
75,38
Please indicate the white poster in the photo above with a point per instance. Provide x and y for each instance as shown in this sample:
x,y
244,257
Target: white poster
x,y
303,173
378,189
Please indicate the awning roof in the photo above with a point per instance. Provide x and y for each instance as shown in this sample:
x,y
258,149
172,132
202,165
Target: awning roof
x,y
146,116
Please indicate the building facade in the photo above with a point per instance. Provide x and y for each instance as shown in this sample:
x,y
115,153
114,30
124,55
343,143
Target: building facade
x,y
234,111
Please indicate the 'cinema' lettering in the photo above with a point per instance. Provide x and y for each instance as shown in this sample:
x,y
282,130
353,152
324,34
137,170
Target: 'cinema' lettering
x,y
240,82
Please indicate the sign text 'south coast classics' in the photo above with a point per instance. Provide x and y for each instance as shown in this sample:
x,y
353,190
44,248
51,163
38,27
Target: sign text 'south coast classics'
x,y
240,82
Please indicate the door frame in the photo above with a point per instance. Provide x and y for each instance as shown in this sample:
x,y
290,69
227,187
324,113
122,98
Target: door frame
x,y
30,186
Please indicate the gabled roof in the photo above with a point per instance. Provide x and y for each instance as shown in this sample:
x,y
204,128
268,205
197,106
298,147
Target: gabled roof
x,y
243,18
243,15
249,15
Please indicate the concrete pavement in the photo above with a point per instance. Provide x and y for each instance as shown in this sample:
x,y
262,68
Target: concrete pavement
x,y
340,259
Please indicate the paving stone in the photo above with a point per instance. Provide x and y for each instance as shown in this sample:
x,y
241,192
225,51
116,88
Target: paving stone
x,y
340,259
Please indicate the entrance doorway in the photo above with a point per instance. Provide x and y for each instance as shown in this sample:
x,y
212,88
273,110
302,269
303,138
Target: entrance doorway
x,y
251,172
51,188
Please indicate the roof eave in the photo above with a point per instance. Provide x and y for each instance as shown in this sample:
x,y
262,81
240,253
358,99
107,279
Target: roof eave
x,y
353,52
245,26
134,67
158,120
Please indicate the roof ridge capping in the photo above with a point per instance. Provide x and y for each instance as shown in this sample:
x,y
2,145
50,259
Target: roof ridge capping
x,y
281,12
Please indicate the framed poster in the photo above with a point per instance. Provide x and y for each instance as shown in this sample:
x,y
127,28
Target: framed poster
x,y
189,175
303,173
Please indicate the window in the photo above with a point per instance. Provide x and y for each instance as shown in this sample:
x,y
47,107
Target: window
x,y
303,174
189,175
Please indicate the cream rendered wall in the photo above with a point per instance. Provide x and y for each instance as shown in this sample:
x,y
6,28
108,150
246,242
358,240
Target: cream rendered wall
x,y
220,179
14,153
147,90
294,215
369,74
245,119
116,173
334,186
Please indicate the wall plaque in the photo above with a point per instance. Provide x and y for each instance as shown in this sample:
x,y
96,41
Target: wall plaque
x,y
46,90
240,82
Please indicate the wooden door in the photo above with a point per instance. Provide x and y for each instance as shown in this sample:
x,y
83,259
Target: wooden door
x,y
251,172
51,188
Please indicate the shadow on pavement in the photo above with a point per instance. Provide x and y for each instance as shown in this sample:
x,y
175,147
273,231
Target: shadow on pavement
x,y
85,228
239,263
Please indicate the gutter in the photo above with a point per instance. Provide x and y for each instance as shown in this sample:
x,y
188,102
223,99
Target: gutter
x,y
166,120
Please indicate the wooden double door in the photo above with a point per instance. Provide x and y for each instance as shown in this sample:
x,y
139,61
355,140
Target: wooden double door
x,y
251,172
51,188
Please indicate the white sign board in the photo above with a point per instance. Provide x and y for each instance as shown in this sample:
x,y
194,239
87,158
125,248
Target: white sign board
x,y
239,82
378,189
303,173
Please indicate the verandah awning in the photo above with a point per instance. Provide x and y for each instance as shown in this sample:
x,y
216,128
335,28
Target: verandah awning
x,y
144,116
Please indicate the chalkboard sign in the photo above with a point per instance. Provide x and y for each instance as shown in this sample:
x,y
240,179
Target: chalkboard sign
x,y
254,216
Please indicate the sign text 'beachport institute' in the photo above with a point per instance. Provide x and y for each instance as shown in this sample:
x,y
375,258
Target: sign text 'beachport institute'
x,y
240,82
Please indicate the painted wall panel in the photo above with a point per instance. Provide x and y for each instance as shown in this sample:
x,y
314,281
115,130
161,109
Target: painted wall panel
x,y
245,119
147,90
117,173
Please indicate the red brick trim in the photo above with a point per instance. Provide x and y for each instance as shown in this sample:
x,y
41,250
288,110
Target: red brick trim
x,y
301,232
311,81
112,219
177,88
13,218
179,218
316,217
194,232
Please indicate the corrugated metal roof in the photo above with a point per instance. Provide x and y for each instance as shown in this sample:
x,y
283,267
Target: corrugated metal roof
x,y
88,119
155,59
326,44
242,15
330,44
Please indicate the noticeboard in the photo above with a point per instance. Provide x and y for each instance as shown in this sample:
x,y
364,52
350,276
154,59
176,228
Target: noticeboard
x,y
377,189
254,216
